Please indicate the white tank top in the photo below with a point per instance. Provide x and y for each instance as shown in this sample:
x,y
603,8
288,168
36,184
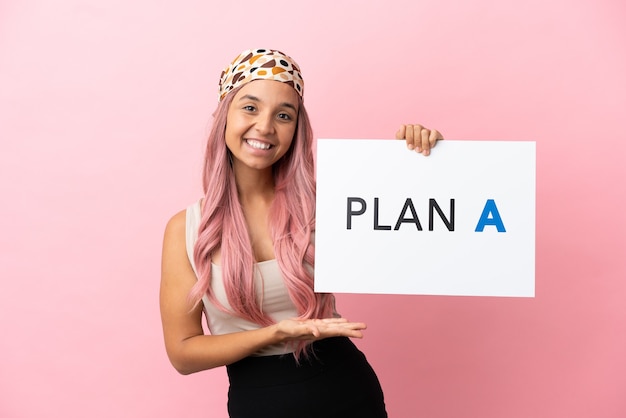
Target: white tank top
x,y
270,285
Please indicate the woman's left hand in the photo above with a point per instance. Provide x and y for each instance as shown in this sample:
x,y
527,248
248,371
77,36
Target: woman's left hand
x,y
419,138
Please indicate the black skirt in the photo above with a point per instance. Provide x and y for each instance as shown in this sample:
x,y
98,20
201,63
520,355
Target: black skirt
x,y
335,381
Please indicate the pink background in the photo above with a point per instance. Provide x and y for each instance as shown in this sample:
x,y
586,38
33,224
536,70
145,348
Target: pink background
x,y
104,108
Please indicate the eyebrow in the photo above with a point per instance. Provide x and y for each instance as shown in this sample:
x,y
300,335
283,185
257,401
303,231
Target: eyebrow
x,y
256,99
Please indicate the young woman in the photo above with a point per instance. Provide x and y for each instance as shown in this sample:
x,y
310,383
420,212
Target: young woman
x,y
244,254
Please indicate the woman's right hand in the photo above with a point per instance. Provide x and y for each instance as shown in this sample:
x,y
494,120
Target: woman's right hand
x,y
317,329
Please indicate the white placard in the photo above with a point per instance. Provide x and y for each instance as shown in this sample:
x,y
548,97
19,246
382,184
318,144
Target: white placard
x,y
458,222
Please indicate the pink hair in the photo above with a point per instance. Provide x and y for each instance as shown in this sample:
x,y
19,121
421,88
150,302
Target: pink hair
x,y
292,221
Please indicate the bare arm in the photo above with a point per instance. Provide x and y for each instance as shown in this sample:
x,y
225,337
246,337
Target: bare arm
x,y
188,349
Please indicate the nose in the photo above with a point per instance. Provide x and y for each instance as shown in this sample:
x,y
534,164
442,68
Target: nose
x,y
264,123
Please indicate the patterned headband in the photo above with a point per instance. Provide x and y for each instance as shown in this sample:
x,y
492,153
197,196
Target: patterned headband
x,y
261,64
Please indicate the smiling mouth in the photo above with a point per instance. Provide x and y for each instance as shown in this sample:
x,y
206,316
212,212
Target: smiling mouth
x,y
258,144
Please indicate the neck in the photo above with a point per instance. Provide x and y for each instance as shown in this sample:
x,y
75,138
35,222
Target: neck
x,y
254,184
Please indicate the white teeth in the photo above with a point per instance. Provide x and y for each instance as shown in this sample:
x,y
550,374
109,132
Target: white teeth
x,y
257,144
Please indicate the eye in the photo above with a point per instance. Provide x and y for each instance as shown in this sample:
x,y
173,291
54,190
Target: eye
x,y
285,116
249,108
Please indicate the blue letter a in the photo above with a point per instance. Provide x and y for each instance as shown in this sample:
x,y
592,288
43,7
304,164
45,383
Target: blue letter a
x,y
490,216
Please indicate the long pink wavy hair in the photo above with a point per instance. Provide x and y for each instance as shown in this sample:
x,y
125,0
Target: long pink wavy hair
x,y
292,221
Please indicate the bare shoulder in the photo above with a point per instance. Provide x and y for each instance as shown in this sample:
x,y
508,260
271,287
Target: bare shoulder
x,y
176,225
176,268
174,241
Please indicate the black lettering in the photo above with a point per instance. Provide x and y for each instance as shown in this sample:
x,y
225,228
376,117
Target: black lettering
x,y
376,226
432,206
408,204
352,212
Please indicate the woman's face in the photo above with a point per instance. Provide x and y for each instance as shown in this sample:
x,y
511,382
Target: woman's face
x,y
261,123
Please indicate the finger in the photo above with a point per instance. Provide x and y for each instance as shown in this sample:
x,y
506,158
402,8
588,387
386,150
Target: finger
x,y
434,137
314,330
417,137
400,134
349,325
425,144
353,333
337,331
410,137
334,320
